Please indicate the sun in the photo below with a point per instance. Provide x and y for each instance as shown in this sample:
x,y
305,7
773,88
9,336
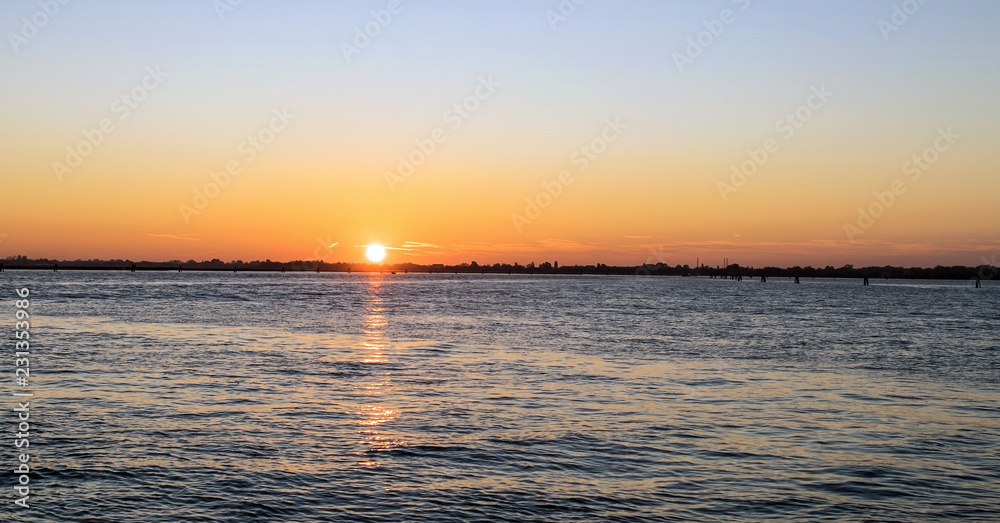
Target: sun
x,y
375,253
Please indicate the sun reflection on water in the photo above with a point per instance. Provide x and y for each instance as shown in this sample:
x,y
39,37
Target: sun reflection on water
x,y
373,415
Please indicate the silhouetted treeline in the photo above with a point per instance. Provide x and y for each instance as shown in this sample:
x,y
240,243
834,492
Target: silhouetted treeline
x,y
985,272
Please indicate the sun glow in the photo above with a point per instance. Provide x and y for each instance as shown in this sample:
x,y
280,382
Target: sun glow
x,y
375,253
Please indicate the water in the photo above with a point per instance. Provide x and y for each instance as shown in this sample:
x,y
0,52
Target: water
x,y
308,397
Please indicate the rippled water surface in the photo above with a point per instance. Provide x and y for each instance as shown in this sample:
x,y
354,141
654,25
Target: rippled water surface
x,y
319,397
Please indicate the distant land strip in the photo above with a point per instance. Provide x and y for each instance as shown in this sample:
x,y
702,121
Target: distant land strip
x,y
981,272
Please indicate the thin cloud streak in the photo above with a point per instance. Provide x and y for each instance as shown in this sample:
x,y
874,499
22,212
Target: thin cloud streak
x,y
183,237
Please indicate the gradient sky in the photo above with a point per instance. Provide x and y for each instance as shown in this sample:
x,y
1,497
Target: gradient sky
x,y
653,195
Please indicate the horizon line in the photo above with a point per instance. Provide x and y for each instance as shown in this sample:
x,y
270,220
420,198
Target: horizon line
x,y
984,271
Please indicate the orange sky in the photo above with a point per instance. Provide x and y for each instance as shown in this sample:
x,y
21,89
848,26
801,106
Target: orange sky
x,y
628,158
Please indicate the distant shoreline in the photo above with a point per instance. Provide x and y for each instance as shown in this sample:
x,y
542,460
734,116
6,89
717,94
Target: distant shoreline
x,y
982,272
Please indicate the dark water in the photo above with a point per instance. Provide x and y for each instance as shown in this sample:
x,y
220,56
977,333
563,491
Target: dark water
x,y
304,397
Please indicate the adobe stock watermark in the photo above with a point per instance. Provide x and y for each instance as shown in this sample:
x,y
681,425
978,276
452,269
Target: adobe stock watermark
x,y
988,270
324,248
122,107
582,158
915,168
787,126
224,7
714,28
900,15
248,149
47,10
654,258
455,116
562,12
22,377
372,29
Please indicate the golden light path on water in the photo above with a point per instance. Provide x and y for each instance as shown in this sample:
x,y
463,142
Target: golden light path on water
x,y
373,414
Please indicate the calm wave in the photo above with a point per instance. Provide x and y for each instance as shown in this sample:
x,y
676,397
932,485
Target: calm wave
x,y
305,397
